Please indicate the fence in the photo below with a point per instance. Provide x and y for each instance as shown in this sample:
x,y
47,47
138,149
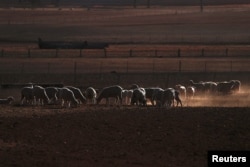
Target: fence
x,y
121,65
167,51
106,71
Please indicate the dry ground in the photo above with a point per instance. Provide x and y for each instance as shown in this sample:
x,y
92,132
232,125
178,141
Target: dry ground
x,y
119,136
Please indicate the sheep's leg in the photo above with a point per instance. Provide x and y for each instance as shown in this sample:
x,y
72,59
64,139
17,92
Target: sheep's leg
x,y
22,99
62,102
152,102
107,101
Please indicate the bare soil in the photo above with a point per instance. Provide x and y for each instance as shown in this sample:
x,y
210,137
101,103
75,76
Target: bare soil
x,y
119,136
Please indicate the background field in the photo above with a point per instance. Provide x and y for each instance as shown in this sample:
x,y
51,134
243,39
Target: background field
x,y
141,40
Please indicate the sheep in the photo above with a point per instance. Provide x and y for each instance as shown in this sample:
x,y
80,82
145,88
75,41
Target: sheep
x,y
78,94
150,92
125,96
65,95
177,97
114,91
200,87
158,97
225,87
236,86
182,89
170,95
134,86
8,100
139,97
27,95
209,87
190,92
91,94
51,93
40,95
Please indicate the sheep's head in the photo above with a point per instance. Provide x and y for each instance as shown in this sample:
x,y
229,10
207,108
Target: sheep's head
x,y
10,99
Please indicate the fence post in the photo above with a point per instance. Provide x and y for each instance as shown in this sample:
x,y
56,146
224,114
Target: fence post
x,y
205,67
105,52
130,53
231,66
226,51
29,53
80,52
179,52
56,52
75,68
180,66
22,68
153,70
100,71
127,67
48,68
2,53
202,52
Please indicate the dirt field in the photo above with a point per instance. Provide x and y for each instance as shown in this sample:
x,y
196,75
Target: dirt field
x,y
119,136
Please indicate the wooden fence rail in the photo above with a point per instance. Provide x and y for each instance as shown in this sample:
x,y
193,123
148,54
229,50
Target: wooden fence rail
x,y
123,65
113,53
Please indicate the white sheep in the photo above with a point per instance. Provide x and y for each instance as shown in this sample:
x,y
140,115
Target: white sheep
x,y
9,100
27,95
51,93
177,98
151,92
227,87
190,92
182,89
126,96
236,86
40,95
110,92
78,94
158,97
91,95
210,87
199,87
170,95
66,96
139,97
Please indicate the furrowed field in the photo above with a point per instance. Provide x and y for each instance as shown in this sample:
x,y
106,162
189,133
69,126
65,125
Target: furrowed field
x,y
160,46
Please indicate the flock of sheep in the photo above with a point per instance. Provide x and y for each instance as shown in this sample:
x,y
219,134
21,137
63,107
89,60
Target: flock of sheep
x,y
70,96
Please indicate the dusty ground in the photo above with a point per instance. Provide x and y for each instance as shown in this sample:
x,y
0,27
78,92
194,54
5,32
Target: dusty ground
x,y
119,136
